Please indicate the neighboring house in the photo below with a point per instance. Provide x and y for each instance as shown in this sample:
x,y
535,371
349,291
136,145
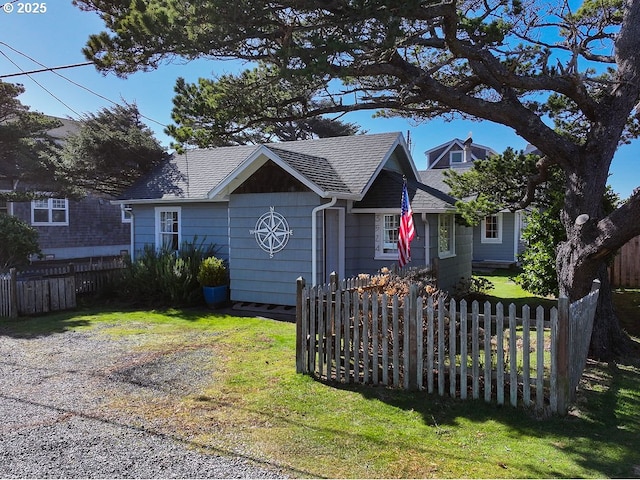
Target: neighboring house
x,y
497,240
76,229
72,229
306,208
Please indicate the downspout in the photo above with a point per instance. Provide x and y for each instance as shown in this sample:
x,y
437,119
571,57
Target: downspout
x,y
131,230
427,259
314,239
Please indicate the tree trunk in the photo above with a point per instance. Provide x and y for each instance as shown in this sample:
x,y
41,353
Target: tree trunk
x,y
608,340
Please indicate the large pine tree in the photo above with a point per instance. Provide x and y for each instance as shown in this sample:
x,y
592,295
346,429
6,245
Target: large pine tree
x,y
567,80
28,154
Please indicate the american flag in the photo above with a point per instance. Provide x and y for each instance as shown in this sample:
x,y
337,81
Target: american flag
x,y
406,231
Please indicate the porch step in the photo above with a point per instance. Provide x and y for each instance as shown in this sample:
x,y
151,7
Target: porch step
x,y
267,310
486,266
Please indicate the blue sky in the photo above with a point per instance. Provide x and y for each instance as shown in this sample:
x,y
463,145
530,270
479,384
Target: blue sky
x,y
56,37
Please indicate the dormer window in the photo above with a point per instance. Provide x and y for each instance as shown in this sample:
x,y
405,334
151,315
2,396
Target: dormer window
x,y
456,157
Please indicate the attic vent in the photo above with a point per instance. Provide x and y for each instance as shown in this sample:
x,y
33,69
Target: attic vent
x,y
270,178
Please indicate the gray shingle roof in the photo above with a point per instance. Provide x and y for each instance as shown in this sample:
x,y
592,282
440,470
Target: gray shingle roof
x,y
338,164
316,169
354,159
435,178
190,175
386,193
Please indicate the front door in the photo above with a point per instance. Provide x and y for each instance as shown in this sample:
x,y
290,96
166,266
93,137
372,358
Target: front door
x,y
333,242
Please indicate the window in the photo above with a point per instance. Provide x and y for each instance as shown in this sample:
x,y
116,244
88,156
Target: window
x,y
456,157
387,225
50,211
391,226
446,236
4,206
168,228
491,227
126,214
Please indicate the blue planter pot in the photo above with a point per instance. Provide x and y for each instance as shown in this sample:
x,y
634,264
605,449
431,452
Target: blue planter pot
x,y
215,296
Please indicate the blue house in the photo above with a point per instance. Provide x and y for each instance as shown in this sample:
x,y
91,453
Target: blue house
x,y
497,240
305,208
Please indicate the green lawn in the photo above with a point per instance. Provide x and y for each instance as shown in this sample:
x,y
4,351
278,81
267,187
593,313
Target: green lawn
x,y
256,405
626,301
627,304
507,291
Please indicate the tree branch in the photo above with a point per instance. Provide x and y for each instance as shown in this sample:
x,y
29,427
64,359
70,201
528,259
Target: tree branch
x,y
617,228
543,165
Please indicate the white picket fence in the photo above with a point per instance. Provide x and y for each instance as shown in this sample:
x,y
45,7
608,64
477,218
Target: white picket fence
x,y
348,333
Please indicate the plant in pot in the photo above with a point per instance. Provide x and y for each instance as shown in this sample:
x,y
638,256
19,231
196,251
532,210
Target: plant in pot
x,y
214,277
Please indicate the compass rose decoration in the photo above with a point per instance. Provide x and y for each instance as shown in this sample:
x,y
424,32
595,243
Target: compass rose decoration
x,y
272,232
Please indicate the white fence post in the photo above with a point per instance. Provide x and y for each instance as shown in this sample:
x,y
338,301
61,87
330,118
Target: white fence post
x,y
13,293
562,356
300,326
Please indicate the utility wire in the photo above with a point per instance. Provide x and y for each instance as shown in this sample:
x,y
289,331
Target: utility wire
x,y
53,70
39,84
7,3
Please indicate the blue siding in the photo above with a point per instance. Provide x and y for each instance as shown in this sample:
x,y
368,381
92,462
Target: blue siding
x,y
496,251
144,227
360,245
206,221
451,270
209,223
255,277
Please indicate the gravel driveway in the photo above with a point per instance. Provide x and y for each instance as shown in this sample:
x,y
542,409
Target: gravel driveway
x,y
56,420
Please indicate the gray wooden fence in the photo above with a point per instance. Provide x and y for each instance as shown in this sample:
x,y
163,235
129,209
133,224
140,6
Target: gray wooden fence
x,y
624,271
349,333
42,290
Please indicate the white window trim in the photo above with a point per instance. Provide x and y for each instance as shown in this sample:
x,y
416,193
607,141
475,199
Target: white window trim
x,y
158,210
461,152
379,253
126,214
452,233
9,206
483,230
50,209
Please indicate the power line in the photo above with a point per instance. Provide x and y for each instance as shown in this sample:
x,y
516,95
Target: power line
x,y
7,3
53,70
38,83
9,75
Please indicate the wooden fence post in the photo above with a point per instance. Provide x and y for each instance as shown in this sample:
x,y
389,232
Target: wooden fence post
x,y
562,357
300,357
414,321
13,293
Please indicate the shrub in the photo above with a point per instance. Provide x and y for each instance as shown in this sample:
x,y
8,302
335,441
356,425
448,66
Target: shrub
x,y
17,242
164,277
393,283
212,272
474,288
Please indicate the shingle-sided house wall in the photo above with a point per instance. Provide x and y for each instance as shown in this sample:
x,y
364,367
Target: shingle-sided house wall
x,y
72,229
305,208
